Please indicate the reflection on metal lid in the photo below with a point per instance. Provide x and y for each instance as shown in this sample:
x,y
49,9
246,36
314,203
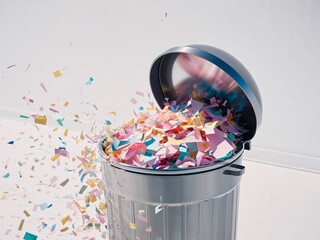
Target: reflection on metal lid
x,y
203,72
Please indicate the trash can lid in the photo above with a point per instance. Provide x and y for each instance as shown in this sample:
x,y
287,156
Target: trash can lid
x,y
181,72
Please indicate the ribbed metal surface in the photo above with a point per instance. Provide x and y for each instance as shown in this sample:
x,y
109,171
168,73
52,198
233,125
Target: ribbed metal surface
x,y
214,219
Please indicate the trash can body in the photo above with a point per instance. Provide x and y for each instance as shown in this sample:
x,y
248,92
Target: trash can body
x,y
199,203
189,204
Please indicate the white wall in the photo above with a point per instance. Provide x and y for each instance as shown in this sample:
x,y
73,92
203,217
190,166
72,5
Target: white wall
x,y
115,42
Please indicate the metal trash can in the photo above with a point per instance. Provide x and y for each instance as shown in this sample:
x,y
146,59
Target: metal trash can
x,y
194,203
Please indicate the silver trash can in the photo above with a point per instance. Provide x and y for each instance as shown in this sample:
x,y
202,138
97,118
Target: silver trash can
x,y
194,203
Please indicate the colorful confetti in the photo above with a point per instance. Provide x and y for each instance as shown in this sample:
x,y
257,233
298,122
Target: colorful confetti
x,y
6,175
29,236
60,121
57,74
43,87
179,136
26,213
40,120
11,66
90,81
21,225
65,219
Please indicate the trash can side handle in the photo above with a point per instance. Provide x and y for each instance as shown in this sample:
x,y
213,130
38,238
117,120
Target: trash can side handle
x,y
239,170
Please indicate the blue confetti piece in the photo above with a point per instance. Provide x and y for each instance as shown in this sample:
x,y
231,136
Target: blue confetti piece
x,y
6,175
43,206
11,142
89,82
148,153
29,236
83,176
108,122
122,143
149,142
53,227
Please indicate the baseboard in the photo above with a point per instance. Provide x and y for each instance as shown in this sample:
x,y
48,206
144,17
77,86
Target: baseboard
x,y
284,159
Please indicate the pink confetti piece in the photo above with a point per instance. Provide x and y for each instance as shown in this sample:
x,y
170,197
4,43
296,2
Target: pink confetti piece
x,y
11,66
27,67
142,218
148,229
35,207
36,127
53,110
133,100
43,87
53,180
29,100
61,152
140,93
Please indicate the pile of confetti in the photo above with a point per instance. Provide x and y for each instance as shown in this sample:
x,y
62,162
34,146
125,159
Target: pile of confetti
x,y
178,136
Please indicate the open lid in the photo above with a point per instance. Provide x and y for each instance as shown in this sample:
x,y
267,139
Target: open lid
x,y
210,72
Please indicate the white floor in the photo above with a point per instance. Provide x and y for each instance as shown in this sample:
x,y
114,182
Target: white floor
x,y
276,203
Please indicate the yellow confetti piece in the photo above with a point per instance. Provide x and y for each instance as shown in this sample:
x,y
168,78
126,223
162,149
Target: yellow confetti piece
x,y
93,198
21,225
64,229
151,109
102,206
53,104
133,226
65,219
57,74
81,136
66,103
55,129
174,141
26,213
113,113
93,156
66,132
55,157
4,196
41,120
91,183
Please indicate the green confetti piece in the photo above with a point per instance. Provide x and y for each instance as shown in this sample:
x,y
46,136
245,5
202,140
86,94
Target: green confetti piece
x,y
231,137
24,116
97,211
60,121
83,188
